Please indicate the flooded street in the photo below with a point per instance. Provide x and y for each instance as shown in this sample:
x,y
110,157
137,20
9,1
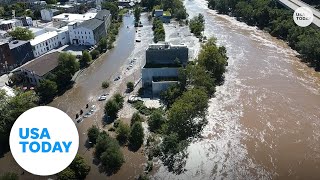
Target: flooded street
x,y
264,120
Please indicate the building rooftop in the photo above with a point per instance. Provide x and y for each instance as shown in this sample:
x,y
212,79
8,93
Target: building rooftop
x,y
75,17
166,45
96,21
101,14
91,24
43,64
10,21
43,37
16,43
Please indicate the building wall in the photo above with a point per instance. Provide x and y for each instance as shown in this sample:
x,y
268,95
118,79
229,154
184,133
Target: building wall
x,y
149,73
5,58
82,36
46,46
30,77
158,87
167,56
64,37
46,14
9,26
22,54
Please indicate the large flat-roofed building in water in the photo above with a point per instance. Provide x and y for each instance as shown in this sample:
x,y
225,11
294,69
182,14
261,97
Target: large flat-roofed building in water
x,y
166,53
163,61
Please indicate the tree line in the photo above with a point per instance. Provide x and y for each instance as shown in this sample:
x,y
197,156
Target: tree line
x,y
159,33
175,7
271,16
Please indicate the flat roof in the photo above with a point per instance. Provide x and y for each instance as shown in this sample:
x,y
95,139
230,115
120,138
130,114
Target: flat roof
x,y
16,43
43,37
75,17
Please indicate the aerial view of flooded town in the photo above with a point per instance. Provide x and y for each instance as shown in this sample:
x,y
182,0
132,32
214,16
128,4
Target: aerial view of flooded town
x,y
167,89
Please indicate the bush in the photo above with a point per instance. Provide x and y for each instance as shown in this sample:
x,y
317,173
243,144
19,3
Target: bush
x,y
93,133
111,156
9,176
78,169
130,86
113,106
136,136
135,118
95,54
155,121
105,84
123,132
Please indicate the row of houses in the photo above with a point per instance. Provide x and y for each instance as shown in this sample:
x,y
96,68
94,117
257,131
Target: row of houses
x,y
78,30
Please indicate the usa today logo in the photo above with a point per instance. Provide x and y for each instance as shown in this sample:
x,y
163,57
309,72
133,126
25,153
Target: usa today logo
x,y
303,16
44,140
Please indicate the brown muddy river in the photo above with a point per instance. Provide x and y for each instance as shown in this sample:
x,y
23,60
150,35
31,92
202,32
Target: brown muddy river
x,y
264,122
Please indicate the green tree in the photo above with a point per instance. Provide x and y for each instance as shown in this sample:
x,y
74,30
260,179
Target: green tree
x,y
47,90
93,134
9,176
136,136
105,84
66,174
196,25
67,67
22,34
51,1
155,121
95,54
169,96
137,12
213,59
112,108
187,116
13,108
78,169
135,118
112,158
112,7
119,99
85,59
103,45
123,132
130,86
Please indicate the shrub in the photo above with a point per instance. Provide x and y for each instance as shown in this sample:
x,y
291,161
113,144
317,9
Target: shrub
x,y
95,54
105,84
130,86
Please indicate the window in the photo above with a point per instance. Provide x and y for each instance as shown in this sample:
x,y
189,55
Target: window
x,y
85,32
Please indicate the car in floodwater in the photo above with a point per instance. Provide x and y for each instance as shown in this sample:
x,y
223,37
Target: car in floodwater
x,y
103,97
117,78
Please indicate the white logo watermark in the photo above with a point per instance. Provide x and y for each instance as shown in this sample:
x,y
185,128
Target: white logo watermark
x,y
44,140
303,16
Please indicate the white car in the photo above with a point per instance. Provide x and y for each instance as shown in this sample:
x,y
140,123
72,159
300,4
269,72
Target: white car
x,y
102,98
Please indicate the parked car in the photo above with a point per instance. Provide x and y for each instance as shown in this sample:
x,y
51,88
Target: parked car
x,y
79,120
117,78
102,98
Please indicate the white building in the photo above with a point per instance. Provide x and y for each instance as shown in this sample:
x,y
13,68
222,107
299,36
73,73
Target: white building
x,y
45,43
10,24
47,14
91,31
81,35
65,18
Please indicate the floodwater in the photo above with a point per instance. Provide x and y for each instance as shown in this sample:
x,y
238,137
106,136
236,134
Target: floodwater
x,y
87,89
264,122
